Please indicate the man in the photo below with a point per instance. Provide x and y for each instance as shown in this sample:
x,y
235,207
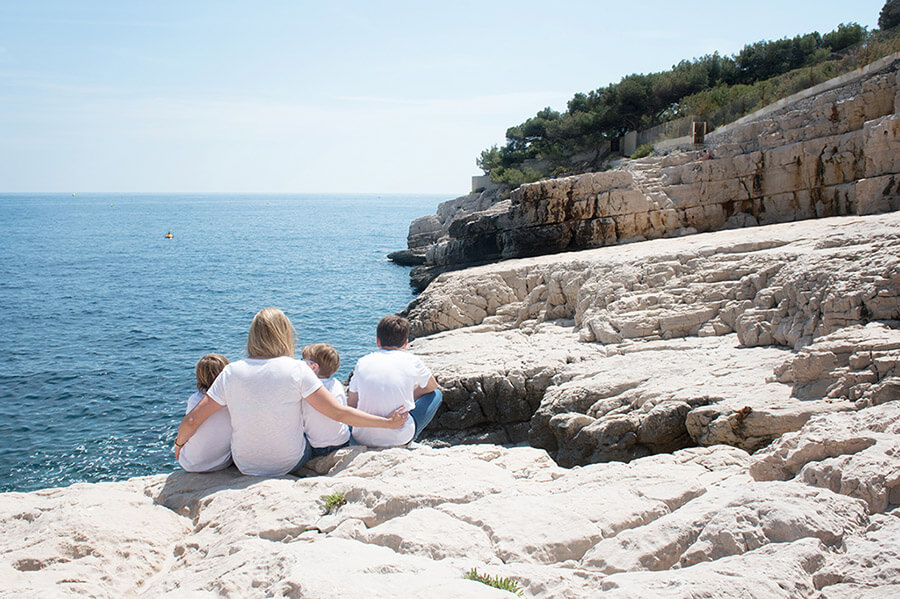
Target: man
x,y
389,379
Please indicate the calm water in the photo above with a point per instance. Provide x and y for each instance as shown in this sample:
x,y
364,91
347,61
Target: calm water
x,y
104,318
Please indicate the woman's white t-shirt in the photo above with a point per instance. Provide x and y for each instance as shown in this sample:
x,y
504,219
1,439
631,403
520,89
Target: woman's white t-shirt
x,y
264,398
322,431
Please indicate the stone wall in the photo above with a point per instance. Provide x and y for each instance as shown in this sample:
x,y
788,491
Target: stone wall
x,y
835,153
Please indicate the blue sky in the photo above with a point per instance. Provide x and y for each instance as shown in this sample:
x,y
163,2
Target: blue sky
x,y
355,97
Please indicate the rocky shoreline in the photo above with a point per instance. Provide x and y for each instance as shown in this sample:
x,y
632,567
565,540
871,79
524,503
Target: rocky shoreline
x,y
813,515
709,414
733,337
706,460
831,153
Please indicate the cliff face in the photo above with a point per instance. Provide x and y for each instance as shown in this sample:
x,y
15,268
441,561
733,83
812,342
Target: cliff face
x,y
835,153
731,337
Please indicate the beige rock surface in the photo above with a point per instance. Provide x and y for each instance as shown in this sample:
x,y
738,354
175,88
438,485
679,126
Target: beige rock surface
x,y
732,337
687,524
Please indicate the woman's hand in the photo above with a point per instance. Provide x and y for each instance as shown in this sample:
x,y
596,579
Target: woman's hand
x,y
193,419
398,417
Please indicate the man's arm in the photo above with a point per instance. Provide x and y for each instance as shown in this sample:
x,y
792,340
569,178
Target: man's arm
x,y
430,386
323,401
192,421
353,399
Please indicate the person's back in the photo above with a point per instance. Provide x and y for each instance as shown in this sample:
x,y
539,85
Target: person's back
x,y
384,381
323,433
264,398
389,379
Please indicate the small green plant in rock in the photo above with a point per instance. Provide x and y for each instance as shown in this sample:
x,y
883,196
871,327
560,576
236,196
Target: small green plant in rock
x,y
643,150
334,501
504,584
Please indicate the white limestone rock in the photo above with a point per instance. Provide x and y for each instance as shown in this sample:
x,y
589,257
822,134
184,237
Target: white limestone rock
x,y
852,454
617,353
691,523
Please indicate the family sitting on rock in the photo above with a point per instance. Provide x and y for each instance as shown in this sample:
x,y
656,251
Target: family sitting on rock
x,y
271,413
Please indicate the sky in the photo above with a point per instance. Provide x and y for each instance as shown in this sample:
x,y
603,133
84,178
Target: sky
x,y
327,97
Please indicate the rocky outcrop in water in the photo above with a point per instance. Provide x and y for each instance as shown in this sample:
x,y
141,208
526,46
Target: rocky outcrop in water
x,y
426,231
733,337
800,518
837,153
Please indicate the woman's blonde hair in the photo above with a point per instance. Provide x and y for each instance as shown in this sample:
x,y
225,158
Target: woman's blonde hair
x,y
271,335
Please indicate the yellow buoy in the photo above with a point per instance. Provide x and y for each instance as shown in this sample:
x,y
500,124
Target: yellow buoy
x,y
169,236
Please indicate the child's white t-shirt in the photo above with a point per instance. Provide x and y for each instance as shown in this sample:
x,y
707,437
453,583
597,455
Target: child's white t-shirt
x,y
264,397
386,380
322,431
209,448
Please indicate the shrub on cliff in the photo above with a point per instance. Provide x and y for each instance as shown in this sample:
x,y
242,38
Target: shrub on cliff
x,y
846,35
575,139
642,151
890,14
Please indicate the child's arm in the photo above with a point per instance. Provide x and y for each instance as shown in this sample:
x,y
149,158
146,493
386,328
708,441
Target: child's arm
x,y
192,421
353,399
323,401
430,386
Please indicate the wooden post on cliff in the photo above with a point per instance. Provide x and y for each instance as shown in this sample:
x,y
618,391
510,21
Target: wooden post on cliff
x,y
698,132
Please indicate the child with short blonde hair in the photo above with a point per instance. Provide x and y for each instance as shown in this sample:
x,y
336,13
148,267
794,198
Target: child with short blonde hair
x,y
324,434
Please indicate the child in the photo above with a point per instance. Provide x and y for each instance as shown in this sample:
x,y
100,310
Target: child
x,y
390,379
324,434
210,447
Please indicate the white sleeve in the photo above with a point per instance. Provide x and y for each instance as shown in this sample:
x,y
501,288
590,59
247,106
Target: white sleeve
x,y
307,381
217,391
421,373
354,387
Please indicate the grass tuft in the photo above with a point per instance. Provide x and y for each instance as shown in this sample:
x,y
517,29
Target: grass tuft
x,y
504,584
334,501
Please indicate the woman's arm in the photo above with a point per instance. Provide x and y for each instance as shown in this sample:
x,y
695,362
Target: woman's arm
x,y
192,421
322,401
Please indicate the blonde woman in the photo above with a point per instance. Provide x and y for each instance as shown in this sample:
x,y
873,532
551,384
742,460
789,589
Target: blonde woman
x,y
264,394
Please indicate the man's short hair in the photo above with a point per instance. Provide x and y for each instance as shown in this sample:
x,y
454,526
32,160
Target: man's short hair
x,y
393,331
325,356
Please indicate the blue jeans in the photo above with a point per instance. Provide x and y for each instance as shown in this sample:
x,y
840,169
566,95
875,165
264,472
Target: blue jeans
x,y
318,452
307,454
422,414
426,407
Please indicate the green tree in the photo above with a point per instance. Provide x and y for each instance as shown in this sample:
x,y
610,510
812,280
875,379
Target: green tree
x,y
890,14
844,36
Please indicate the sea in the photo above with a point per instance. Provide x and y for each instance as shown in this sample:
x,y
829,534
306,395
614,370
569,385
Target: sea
x,y
103,316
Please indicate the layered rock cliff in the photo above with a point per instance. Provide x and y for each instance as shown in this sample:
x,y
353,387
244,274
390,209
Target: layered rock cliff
x,y
732,337
834,153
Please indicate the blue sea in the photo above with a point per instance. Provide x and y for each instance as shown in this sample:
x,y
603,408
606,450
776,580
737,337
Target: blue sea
x,y
103,317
